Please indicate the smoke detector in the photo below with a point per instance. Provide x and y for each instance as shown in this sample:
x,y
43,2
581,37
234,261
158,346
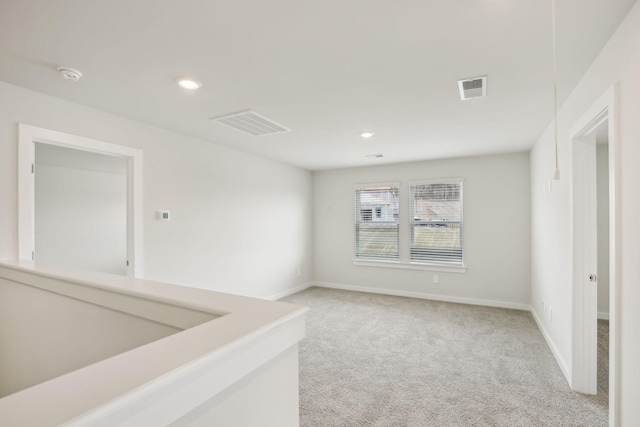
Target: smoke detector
x,y
69,73
475,87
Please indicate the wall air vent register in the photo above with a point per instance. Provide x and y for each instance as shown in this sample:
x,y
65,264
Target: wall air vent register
x,y
251,123
475,87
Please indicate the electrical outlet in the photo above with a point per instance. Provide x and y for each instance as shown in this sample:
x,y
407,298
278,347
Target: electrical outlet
x,y
436,279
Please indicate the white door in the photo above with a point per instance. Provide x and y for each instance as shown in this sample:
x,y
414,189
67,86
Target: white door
x,y
80,209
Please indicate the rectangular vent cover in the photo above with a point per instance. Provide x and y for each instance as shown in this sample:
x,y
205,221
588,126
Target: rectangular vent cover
x,y
252,123
473,88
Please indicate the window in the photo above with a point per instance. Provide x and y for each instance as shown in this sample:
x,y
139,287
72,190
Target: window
x,y
376,235
436,222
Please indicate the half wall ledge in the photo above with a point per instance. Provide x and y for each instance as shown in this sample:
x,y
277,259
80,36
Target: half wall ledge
x,y
216,353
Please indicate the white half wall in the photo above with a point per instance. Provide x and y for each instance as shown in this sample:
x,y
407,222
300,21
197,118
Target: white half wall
x,y
239,223
203,370
268,397
45,335
496,231
618,62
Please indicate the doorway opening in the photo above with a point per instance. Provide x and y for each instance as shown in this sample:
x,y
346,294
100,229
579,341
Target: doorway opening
x,y
80,209
79,169
595,234
602,282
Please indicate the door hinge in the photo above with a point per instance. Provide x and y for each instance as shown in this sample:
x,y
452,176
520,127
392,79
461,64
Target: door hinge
x,y
127,263
33,255
33,168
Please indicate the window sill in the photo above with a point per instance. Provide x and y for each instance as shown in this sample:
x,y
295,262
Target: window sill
x,y
411,266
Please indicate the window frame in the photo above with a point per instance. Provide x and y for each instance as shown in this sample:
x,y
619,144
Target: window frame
x,y
411,215
357,219
404,234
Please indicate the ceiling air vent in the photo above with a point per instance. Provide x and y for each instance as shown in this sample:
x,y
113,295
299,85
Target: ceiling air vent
x,y
473,88
252,123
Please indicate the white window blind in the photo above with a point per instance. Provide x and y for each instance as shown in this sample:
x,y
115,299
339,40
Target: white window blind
x,y
436,222
376,222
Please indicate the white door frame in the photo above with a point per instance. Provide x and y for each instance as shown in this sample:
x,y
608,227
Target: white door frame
x,y
584,250
27,137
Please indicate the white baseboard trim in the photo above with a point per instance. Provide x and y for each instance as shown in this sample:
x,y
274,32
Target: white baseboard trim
x,y
289,292
603,316
554,350
434,297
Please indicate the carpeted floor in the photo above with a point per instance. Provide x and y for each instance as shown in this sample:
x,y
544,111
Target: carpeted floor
x,y
374,360
603,360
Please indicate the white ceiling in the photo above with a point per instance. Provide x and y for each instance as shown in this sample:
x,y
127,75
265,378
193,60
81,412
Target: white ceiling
x,y
328,70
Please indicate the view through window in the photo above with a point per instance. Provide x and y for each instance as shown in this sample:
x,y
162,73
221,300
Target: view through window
x,y
376,222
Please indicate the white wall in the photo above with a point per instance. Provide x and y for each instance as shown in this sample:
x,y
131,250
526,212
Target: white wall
x,y
619,61
42,338
80,209
239,223
602,188
496,230
269,397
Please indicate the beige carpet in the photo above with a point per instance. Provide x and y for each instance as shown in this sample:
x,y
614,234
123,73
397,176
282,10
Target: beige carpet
x,y
373,360
603,360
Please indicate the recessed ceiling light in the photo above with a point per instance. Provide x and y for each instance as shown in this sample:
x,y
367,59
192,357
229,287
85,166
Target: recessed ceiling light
x,y
189,84
367,134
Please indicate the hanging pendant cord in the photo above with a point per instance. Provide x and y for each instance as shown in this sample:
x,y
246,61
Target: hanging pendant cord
x,y
555,86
